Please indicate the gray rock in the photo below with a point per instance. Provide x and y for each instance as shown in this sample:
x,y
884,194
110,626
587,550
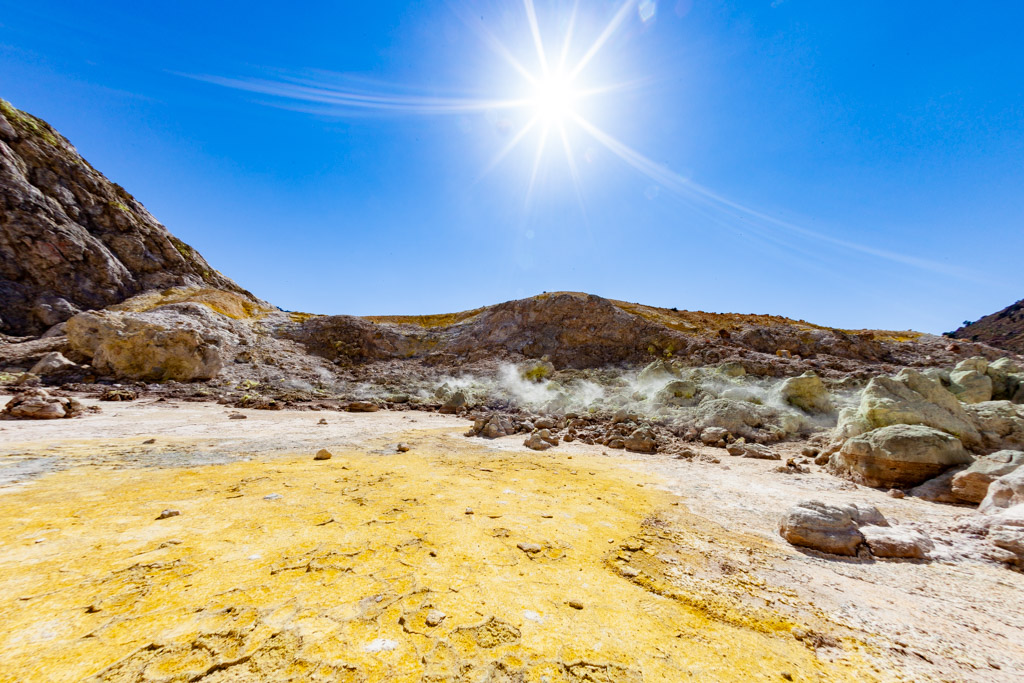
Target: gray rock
x,y
454,403
940,489
740,418
1005,492
808,393
828,528
898,456
972,484
71,239
897,542
181,342
1000,423
641,440
970,386
54,364
434,618
1003,374
713,435
909,398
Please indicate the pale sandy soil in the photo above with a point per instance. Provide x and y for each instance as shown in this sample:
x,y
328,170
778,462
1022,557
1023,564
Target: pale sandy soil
x,y
280,567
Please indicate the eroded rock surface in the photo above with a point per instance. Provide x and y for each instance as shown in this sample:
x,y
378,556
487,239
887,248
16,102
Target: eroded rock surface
x,y
898,455
71,239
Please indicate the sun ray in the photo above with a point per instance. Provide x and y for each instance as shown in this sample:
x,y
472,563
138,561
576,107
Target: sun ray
x,y
512,144
536,161
573,170
538,42
612,26
568,35
493,43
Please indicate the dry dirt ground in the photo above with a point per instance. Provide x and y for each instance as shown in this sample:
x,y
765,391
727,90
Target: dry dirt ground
x,y
459,560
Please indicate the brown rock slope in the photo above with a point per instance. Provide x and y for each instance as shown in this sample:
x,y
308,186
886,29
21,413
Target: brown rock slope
x,y
70,239
1004,329
574,330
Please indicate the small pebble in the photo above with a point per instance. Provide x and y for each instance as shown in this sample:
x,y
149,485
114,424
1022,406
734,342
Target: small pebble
x,y
630,572
896,493
575,604
435,617
469,511
169,513
237,416
403,448
148,442
322,454
788,676
273,496
529,547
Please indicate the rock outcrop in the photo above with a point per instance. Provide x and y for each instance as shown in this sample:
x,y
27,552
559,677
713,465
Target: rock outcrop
x,y
71,239
971,485
807,392
181,342
1004,330
897,456
909,398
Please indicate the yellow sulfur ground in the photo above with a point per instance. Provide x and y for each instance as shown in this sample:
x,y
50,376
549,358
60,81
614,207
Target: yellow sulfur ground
x,y
335,579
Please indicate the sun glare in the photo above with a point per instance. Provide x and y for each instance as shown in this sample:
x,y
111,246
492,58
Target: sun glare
x,y
553,98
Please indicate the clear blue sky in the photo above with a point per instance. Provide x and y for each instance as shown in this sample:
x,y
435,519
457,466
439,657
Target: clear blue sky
x,y
858,164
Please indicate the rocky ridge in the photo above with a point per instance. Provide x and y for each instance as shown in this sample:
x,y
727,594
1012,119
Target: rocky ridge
x,y
1003,329
73,240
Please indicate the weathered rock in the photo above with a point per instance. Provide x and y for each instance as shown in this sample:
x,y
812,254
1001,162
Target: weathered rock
x,y
116,394
897,542
169,512
362,407
37,404
1005,492
712,436
455,402
71,239
434,618
181,342
740,418
828,528
540,440
323,454
1004,374
972,484
808,393
54,365
753,450
1000,423
940,489
909,398
969,385
642,440
898,456
658,372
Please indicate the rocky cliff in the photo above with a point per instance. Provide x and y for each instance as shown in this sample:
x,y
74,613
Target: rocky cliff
x,y
1004,330
72,240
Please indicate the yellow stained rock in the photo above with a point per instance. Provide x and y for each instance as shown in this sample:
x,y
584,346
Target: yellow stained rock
x,y
337,578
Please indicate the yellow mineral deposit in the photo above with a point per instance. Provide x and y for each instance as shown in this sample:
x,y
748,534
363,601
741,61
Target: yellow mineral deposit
x,y
371,568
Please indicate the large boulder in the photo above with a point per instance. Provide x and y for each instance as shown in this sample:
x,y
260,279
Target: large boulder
x,y
808,393
817,525
828,528
1005,492
739,418
969,381
1006,376
898,456
1000,423
182,342
971,485
909,398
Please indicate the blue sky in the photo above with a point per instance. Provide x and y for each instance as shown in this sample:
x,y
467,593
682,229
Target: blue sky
x,y
852,164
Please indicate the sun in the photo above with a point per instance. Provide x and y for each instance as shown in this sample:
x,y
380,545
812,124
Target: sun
x,y
553,98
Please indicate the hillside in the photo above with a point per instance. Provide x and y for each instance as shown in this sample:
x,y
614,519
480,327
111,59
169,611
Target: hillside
x,y
72,240
1004,329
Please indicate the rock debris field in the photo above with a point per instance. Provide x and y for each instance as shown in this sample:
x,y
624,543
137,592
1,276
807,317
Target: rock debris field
x,y
456,559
